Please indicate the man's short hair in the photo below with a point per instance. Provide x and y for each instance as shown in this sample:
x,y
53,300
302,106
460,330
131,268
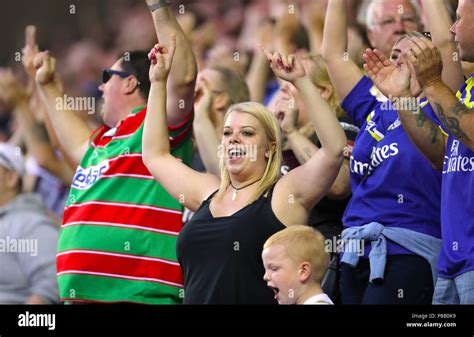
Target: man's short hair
x,y
369,19
138,64
303,244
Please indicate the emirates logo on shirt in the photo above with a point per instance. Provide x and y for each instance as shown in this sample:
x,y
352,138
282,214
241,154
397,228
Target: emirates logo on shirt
x,y
456,162
378,156
455,148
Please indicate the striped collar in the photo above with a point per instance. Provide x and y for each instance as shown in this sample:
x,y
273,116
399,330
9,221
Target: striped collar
x,y
111,132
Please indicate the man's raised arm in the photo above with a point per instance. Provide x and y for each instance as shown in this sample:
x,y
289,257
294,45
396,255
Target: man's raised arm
x,y
72,132
184,69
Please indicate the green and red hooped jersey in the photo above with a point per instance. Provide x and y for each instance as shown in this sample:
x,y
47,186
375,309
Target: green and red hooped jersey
x,y
118,237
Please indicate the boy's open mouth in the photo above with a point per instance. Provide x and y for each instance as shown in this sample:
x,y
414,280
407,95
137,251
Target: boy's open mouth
x,y
275,290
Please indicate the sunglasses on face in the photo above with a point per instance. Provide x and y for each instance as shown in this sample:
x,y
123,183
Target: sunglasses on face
x,y
108,73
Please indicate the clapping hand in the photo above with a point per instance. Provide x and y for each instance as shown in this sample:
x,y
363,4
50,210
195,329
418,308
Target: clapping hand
x,y
391,80
425,61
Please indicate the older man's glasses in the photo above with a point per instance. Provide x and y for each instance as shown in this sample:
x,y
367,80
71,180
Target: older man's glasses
x,y
391,21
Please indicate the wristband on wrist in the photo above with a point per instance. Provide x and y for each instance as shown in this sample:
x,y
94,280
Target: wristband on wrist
x,y
159,4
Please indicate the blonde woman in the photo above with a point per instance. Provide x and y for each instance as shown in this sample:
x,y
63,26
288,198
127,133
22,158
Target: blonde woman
x,y
219,249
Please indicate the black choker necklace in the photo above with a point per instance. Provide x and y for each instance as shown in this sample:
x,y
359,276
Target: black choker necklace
x,y
234,195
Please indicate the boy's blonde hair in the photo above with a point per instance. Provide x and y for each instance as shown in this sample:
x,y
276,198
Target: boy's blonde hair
x,y
303,244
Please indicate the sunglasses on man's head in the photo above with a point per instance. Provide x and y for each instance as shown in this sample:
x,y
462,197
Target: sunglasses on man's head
x,y
427,35
108,73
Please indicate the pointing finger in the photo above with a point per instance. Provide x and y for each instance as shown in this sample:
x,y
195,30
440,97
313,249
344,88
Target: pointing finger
x,y
30,36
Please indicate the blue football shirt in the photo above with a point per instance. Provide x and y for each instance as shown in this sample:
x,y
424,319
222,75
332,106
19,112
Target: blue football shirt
x,y
457,198
392,183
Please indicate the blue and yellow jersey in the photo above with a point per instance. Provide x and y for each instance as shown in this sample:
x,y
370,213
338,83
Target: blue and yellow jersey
x,y
466,94
391,180
457,198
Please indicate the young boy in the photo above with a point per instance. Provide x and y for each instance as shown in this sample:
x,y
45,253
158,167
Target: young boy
x,y
295,261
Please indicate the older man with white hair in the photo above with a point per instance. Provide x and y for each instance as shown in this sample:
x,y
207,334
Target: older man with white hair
x,y
387,20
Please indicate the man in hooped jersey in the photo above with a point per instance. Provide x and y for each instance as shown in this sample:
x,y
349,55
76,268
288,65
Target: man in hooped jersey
x,y
118,238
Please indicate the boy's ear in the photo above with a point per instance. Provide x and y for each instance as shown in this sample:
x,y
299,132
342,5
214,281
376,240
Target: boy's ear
x,y
305,271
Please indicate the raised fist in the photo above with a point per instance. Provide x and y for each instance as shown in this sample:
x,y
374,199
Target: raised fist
x,y
161,58
45,66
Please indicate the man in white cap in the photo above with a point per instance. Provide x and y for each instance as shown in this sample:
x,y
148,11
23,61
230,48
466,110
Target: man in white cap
x,y
27,238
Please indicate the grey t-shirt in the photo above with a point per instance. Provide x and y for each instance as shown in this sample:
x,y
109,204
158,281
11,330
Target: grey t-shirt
x,y
28,241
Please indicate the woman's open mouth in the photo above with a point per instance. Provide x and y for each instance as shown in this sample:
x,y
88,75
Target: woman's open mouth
x,y
236,154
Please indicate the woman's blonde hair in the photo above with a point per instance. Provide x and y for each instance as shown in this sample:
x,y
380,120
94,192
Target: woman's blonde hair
x,y
272,131
303,244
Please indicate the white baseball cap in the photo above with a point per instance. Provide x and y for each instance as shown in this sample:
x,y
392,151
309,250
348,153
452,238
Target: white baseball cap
x,y
11,158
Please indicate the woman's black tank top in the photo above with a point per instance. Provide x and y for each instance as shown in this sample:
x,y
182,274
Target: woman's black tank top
x,y
221,257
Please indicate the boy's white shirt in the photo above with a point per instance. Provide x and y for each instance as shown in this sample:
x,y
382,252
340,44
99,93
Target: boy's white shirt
x,y
319,299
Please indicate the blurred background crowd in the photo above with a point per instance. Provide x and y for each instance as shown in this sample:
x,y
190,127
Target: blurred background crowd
x,y
87,36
